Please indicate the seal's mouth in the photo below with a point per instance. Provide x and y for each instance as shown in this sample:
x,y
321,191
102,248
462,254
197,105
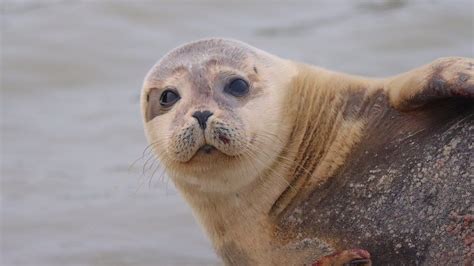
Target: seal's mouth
x,y
207,149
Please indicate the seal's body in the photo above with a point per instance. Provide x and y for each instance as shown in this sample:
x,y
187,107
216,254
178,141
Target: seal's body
x,y
285,163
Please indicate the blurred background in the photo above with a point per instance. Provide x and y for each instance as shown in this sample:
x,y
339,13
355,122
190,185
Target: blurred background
x,y
71,129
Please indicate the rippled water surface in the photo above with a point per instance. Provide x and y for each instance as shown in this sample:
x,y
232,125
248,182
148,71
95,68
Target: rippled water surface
x,y
71,128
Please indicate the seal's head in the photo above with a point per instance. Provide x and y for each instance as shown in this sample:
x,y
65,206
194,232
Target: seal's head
x,y
211,109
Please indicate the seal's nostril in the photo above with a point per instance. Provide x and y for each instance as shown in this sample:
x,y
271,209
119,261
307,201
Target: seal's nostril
x,y
202,117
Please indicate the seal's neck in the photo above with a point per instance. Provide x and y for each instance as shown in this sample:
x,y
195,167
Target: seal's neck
x,y
328,119
237,222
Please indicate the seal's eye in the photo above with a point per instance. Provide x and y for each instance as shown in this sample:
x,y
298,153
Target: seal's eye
x,y
168,98
237,87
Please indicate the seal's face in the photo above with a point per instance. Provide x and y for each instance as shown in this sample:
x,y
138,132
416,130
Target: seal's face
x,y
209,108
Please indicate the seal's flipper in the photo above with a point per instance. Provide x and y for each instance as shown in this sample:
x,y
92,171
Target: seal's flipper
x,y
352,257
449,77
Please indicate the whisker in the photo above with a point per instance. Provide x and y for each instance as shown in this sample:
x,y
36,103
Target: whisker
x,y
147,150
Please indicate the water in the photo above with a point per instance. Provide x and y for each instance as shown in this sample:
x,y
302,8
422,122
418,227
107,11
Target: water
x,y
71,128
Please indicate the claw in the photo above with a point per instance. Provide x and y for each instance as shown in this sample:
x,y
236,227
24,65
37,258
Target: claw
x,y
358,262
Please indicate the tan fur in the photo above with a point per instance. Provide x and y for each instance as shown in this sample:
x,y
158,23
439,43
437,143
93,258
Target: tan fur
x,y
296,133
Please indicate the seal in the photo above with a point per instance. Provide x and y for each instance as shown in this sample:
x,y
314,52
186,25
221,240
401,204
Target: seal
x,y
285,163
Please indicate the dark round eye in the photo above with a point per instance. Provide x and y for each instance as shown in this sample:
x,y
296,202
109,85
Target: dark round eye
x,y
168,98
237,87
